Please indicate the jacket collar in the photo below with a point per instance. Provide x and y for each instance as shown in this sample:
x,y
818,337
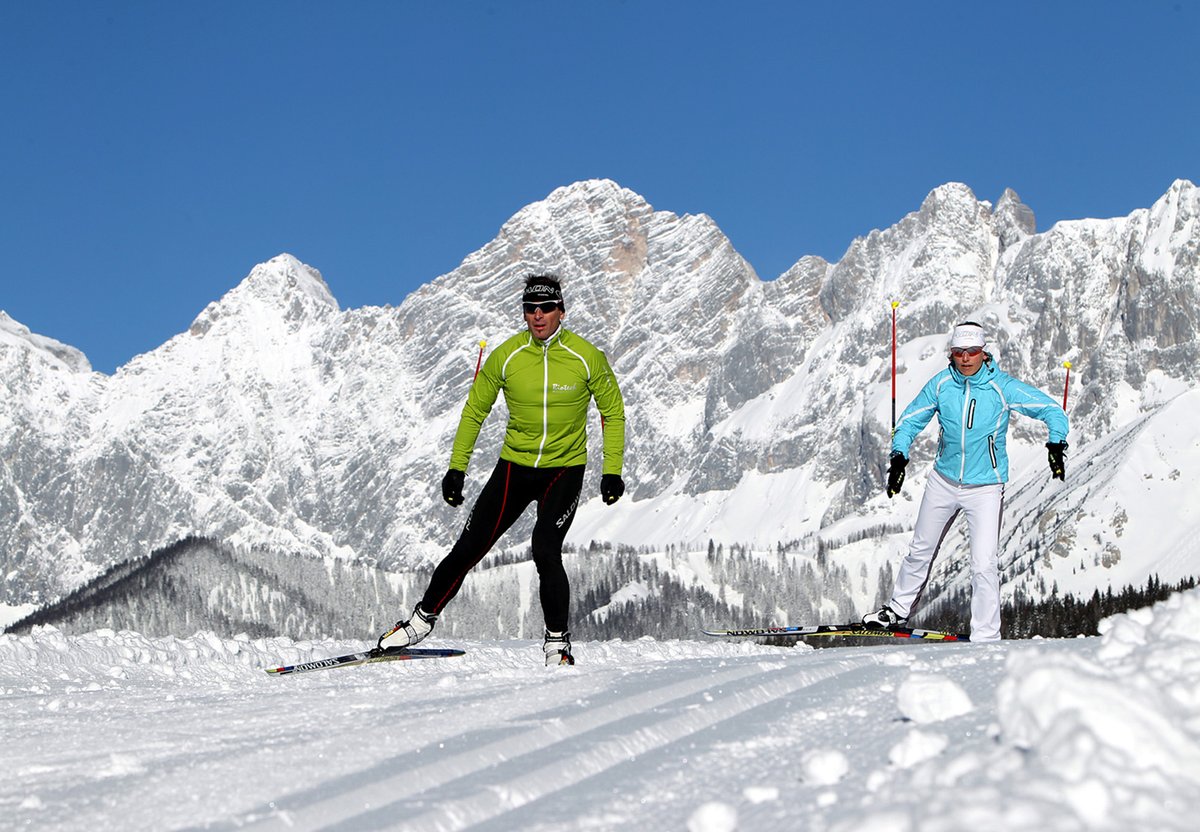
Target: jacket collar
x,y
549,342
986,372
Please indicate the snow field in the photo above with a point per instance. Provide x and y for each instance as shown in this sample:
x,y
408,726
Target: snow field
x,y
111,731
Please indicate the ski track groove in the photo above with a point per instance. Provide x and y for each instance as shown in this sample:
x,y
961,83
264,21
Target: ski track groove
x,y
378,804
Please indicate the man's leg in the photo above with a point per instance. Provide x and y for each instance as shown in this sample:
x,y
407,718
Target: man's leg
x,y
499,505
556,511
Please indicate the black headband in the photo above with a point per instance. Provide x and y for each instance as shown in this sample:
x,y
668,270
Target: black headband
x,y
542,293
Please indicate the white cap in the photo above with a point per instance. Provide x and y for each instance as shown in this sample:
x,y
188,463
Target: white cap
x,y
967,335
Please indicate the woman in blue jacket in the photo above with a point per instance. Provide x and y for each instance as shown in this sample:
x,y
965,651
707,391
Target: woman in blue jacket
x,y
972,399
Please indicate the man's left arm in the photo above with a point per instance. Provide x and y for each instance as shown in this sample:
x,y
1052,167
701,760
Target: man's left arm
x,y
607,393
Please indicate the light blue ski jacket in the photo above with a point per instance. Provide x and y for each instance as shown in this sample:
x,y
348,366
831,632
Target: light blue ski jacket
x,y
973,414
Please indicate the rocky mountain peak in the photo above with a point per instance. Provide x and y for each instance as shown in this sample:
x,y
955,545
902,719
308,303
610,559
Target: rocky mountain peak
x,y
1173,220
953,202
16,335
1014,219
281,286
933,256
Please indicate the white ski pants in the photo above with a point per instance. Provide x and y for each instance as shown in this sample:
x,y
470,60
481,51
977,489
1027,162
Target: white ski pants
x,y
941,504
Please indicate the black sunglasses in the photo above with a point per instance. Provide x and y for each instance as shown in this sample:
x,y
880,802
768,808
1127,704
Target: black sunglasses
x,y
546,306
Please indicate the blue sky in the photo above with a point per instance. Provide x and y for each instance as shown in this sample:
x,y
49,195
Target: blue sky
x,y
151,153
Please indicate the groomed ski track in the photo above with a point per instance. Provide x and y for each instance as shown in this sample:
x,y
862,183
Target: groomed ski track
x,y
473,779
579,745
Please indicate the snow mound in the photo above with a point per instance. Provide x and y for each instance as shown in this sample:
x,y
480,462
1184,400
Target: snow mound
x,y
713,816
1120,732
926,698
1107,738
917,747
824,767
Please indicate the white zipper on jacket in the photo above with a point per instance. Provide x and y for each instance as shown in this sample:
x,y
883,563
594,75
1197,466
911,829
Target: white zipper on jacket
x,y
962,449
545,400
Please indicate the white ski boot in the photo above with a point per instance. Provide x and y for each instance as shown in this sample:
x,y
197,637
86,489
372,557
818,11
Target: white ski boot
x,y
407,633
883,619
558,649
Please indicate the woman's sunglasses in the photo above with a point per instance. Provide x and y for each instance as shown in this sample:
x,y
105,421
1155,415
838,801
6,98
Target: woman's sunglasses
x,y
959,352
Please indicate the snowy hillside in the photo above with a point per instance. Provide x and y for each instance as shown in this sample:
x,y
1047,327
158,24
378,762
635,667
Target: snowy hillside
x,y
115,731
758,412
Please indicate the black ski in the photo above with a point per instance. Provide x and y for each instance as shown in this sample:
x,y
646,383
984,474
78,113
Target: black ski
x,y
375,654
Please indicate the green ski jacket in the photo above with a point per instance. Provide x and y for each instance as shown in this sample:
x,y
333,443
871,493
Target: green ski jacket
x,y
547,386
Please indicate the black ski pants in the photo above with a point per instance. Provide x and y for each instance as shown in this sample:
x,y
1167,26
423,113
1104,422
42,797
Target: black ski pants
x,y
509,490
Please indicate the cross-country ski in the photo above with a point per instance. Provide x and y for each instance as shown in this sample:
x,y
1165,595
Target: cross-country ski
x,y
371,656
850,630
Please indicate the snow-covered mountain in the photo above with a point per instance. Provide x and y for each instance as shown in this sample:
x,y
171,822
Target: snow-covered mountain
x,y
758,410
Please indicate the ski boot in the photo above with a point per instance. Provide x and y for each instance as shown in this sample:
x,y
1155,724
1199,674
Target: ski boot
x,y
558,649
883,619
407,633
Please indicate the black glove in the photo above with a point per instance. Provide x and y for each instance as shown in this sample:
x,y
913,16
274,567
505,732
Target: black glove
x,y
1057,454
611,488
896,474
452,485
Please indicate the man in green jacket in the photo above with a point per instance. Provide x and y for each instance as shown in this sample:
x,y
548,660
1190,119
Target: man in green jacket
x,y
549,376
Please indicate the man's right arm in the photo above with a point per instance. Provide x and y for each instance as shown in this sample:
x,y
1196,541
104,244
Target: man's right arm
x,y
480,400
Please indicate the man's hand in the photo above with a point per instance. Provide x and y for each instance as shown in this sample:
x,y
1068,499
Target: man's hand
x,y
611,488
452,486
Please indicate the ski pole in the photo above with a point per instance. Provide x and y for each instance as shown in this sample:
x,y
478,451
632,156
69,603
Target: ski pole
x,y
895,304
479,361
1066,383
